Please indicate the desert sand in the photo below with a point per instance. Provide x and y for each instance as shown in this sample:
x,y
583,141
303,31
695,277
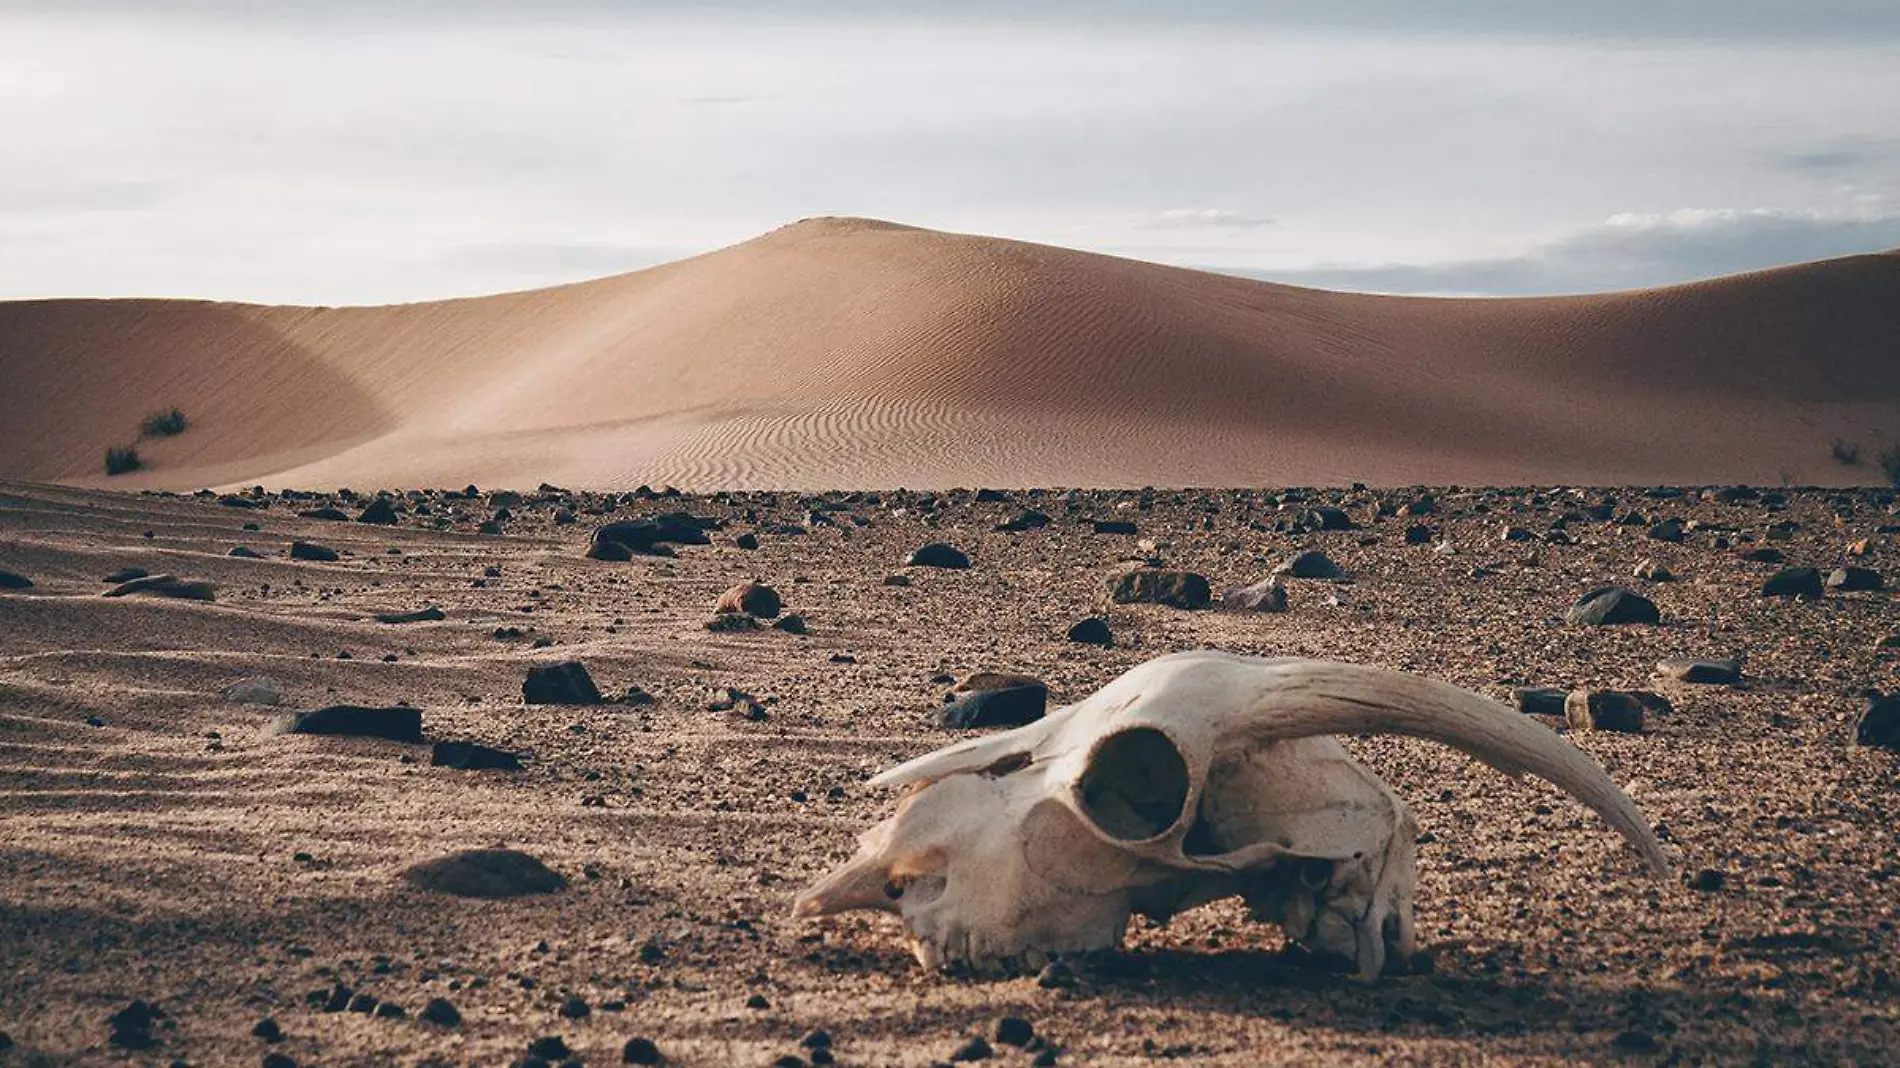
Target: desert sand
x,y
845,352
161,841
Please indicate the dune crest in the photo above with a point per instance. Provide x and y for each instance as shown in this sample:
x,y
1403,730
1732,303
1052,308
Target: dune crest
x,y
846,352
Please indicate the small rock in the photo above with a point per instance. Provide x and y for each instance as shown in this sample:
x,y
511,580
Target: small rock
x,y
307,550
732,624
1709,672
549,1048
1267,595
245,552
1854,579
389,1010
12,581
274,1059
132,1026
1802,582
1091,631
750,598
471,756
1880,723
1176,589
122,575
757,1002
1027,519
1667,530
1311,564
486,873
1014,1031
938,554
1539,700
576,1009
380,512
1010,707
165,586
441,1013
398,724
1327,518
1651,571
640,1051
743,541
1113,526
1708,881
1604,710
268,1030
1765,555
262,690
792,623
431,614
1612,606
976,1049
363,1004
563,683
1419,534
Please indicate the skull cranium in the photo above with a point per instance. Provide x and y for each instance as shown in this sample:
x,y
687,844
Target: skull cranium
x,y
1190,778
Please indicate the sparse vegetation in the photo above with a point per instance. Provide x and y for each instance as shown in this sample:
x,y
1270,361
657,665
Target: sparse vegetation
x,y
1890,464
122,458
163,424
1846,454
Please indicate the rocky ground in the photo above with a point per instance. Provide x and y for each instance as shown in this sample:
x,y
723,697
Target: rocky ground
x,y
165,841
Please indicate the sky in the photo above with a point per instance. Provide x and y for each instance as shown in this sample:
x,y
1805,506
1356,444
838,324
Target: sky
x,y
290,151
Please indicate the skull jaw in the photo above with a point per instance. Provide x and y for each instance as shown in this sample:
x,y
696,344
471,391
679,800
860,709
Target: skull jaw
x,y
939,939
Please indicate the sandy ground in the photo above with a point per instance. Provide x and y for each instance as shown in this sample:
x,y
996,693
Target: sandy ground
x,y
850,352
182,852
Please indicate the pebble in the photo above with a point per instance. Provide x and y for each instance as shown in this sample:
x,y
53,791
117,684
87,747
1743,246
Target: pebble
x,y
1311,564
791,623
1612,606
398,724
640,1051
1651,571
1705,672
10,580
1014,1031
1854,579
132,1026
576,1009
976,1049
268,1030
1267,595
486,873
275,1059
938,554
1091,631
308,550
441,1013
548,1048
1880,723
1540,700
1804,582
563,683
1176,589
473,756
245,552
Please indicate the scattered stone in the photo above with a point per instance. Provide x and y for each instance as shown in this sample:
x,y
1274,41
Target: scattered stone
x,y
274,1059
431,614
1311,564
1515,533
261,690
1014,1031
1176,589
750,598
472,756
1667,530
732,624
268,1030
1327,518
165,586
1701,672
650,536
1091,631
389,1010
612,552
1804,582
1651,571
486,873
381,512
123,575
1011,706
1612,606
563,683
245,552
398,724
1765,555
309,550
1539,700
1707,881
334,515
1027,519
576,1009
976,1049
791,624
1114,526
640,1051
1855,579
549,1048
132,1026
1419,534
746,541
1604,710
441,1013
12,581
1880,723
738,702
938,554
1267,595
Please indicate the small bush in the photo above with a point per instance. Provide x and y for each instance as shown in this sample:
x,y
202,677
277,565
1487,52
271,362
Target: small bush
x,y
164,424
1845,454
1890,464
122,458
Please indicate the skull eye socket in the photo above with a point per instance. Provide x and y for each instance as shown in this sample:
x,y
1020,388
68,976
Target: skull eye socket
x,y
1135,786
920,888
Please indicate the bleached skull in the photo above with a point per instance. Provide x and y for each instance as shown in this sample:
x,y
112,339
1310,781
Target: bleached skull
x,y
1190,778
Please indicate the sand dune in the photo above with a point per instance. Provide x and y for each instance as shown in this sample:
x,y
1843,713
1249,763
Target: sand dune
x,y
851,352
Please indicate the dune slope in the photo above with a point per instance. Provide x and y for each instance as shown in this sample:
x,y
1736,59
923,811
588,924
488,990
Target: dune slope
x,y
849,352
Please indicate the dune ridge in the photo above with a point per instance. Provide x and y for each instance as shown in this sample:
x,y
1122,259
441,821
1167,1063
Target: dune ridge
x,y
849,352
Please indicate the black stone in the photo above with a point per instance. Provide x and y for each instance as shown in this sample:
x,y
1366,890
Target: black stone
x,y
430,614
1764,555
486,873
1853,579
306,550
268,1030
1311,564
1009,707
1539,700
1327,518
334,515
439,1012
1701,672
1176,589
1419,534
576,1009
126,575
1014,1031
746,541
938,554
381,512
640,1051
470,756
245,552
1027,519
132,1025
1793,582
1091,631
12,581
564,683
548,1048
1113,526
398,724
976,1049
1612,606
1880,723
274,1059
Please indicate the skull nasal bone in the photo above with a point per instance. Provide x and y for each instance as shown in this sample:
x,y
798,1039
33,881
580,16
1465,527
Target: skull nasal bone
x,y
1135,785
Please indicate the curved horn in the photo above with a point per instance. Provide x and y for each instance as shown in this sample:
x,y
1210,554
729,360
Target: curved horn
x,y
1300,698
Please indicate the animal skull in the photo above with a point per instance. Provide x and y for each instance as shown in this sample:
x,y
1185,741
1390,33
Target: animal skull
x,y
1190,778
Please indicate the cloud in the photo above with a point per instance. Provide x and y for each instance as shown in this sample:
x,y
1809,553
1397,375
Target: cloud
x,y
1628,251
1204,218
558,259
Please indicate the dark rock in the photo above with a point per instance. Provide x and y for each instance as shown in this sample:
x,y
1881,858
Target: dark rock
x,y
1091,631
472,756
1419,534
818,1038
1710,672
1113,526
165,586
381,512
576,1009
938,554
731,623
610,551
132,1026
750,598
1707,881
274,1059
1014,1031
1176,589
563,683
125,575
1009,707
1604,710
430,614
1880,723
746,541
1651,571
1539,700
1793,582
548,1048
1327,518
306,550
1514,533
648,534
1612,606
336,999
1267,595
1311,564
1765,555
11,581
791,624
441,1013
268,1030
245,552
486,873
640,1051
976,1049
1852,579
1027,519
398,724
334,515
389,1010
1667,530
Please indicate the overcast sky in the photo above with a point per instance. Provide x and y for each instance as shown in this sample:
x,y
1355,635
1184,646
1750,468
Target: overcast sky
x,y
357,152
